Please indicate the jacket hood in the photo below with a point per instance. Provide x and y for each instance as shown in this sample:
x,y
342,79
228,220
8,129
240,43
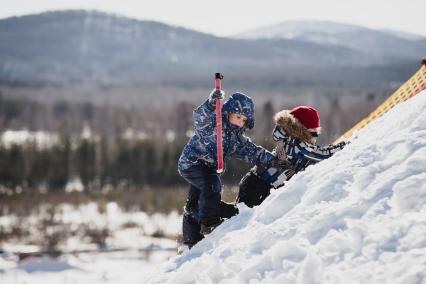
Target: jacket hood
x,y
241,104
293,127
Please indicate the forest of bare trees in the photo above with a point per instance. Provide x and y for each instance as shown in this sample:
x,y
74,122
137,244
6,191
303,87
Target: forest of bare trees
x,y
116,146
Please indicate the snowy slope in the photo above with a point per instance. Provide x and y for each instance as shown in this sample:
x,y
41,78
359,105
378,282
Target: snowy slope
x,y
359,217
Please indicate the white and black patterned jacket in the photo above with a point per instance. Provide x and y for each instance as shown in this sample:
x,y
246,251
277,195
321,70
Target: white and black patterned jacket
x,y
300,153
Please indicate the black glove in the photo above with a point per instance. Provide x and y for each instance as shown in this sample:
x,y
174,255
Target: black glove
x,y
216,94
343,144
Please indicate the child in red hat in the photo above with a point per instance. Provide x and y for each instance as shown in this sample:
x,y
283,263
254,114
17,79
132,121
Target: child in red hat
x,y
295,133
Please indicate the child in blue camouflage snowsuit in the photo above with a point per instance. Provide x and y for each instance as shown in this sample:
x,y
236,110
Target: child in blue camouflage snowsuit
x,y
204,209
295,133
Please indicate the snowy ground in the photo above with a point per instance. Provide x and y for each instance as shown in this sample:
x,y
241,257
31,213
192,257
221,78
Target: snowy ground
x,y
359,217
120,267
131,248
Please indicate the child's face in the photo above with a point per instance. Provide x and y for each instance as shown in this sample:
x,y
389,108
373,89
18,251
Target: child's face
x,y
237,119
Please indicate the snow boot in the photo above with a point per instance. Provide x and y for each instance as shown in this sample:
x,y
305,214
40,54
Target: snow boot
x,y
190,229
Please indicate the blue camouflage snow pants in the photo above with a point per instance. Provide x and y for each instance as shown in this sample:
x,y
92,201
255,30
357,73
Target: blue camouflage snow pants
x,y
205,189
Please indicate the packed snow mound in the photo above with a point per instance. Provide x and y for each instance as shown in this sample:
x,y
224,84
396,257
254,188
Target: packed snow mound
x,y
358,217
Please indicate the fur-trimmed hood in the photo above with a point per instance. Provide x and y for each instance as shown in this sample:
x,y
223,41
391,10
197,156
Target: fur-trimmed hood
x,y
293,127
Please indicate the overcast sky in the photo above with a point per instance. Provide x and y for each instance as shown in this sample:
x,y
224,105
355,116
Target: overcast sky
x,y
227,17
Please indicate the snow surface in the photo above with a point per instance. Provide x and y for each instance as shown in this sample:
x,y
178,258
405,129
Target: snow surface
x,y
131,250
359,217
119,267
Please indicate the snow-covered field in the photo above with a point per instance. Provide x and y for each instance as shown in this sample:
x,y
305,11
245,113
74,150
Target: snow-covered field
x,y
134,243
120,267
359,217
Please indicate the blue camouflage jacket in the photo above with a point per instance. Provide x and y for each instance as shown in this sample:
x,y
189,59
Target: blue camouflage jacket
x,y
201,148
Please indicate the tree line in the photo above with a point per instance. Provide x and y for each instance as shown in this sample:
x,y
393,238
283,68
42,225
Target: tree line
x,y
147,157
136,164
131,164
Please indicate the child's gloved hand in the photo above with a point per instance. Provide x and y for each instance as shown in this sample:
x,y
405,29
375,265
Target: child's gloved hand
x,y
342,144
216,94
345,142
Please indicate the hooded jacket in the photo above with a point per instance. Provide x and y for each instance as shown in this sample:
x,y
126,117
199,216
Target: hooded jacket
x,y
297,144
201,148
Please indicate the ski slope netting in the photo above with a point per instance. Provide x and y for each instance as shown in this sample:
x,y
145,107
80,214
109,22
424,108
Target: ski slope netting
x,y
409,89
358,217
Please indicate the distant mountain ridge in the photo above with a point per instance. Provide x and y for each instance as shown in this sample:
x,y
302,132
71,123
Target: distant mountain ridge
x,y
380,42
285,29
74,47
